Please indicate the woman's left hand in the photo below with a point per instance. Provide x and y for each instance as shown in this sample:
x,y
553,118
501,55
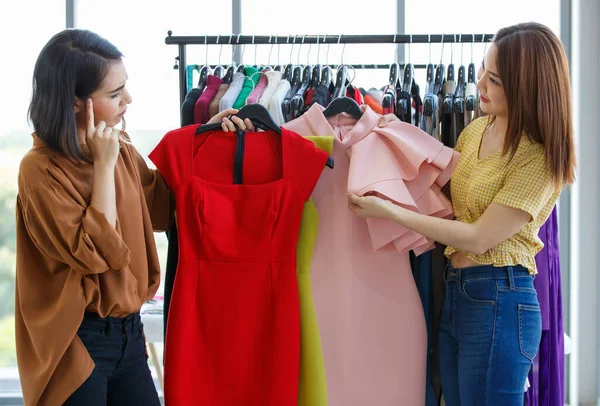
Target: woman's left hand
x,y
370,206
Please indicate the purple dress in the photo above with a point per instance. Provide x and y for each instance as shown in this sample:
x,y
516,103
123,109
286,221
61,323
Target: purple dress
x,y
547,375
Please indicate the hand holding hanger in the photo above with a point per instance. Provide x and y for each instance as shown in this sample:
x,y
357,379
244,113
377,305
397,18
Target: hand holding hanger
x,y
229,124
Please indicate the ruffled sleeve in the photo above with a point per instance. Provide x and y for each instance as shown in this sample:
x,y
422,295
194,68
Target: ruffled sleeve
x,y
405,165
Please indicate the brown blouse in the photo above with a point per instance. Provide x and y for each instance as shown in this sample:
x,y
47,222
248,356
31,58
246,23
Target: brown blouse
x,y
71,260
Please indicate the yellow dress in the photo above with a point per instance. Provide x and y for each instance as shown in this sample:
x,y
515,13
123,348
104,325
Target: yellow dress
x,y
313,384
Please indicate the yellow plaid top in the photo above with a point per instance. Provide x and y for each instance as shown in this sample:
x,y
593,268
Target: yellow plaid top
x,y
523,183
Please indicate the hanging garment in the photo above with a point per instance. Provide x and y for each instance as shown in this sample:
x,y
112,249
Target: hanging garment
x,y
547,375
275,103
187,108
201,115
273,79
252,77
321,96
368,309
258,90
233,92
233,335
213,109
312,388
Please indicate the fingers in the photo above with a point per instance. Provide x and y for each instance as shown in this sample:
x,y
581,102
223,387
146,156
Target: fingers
x,y
352,198
227,124
220,116
89,108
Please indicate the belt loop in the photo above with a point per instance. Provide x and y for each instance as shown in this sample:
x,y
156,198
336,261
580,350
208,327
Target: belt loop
x,y
511,277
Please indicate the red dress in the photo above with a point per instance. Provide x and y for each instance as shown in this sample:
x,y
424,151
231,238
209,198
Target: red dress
x,y
233,334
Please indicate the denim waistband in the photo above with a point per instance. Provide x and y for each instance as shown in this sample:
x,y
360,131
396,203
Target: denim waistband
x,y
91,319
508,273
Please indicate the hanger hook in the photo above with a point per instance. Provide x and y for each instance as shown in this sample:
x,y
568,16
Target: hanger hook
x,y
271,50
327,54
292,50
237,42
462,48
220,49
442,57
318,49
232,61
255,49
452,48
409,47
396,50
278,48
206,42
472,42
429,41
485,46
300,48
308,54
343,49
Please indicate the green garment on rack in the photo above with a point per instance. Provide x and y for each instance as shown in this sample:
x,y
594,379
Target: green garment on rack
x,y
252,77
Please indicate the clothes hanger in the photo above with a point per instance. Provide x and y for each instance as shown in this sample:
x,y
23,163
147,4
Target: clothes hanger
x,y
458,107
404,102
317,70
388,100
278,67
470,99
219,70
241,67
205,70
297,103
228,77
289,68
260,118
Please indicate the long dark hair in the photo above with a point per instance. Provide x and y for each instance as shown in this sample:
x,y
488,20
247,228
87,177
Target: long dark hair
x,y
535,75
72,64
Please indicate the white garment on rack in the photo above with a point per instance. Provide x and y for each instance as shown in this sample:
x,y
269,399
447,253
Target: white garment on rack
x,y
275,103
273,79
231,95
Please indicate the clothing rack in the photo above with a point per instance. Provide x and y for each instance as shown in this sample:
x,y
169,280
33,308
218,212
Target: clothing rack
x,y
183,41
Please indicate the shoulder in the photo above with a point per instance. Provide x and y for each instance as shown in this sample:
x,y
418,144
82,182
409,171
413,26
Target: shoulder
x,y
36,167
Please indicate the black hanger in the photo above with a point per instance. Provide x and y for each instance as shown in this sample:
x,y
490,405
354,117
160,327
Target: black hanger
x,y
297,102
260,118
286,107
241,69
430,78
288,72
219,72
460,82
278,68
394,74
316,76
440,78
326,76
472,75
340,84
343,105
204,72
403,104
229,74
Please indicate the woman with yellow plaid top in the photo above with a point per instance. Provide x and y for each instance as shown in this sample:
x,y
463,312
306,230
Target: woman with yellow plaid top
x,y
513,165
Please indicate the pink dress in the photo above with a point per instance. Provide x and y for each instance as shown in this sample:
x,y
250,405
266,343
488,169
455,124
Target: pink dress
x,y
368,308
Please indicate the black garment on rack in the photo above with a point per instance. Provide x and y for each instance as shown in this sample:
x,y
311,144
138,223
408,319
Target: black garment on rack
x,y
187,108
321,95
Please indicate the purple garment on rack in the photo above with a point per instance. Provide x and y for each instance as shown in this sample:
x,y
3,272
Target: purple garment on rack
x,y
547,375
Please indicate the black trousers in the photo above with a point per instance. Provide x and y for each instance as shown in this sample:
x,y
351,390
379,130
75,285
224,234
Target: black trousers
x,y
121,376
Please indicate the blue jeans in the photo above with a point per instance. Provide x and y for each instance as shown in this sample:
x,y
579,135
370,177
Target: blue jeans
x,y
490,332
121,376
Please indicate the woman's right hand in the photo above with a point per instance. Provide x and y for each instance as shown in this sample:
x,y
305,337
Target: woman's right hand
x,y
102,141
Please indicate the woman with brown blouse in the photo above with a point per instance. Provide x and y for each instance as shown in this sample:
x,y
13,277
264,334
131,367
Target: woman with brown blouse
x,y
86,211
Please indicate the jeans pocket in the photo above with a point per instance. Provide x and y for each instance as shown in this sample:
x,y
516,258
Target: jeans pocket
x,y
89,335
480,291
530,330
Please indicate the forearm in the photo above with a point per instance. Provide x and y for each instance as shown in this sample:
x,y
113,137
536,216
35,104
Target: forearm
x,y
103,191
457,234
